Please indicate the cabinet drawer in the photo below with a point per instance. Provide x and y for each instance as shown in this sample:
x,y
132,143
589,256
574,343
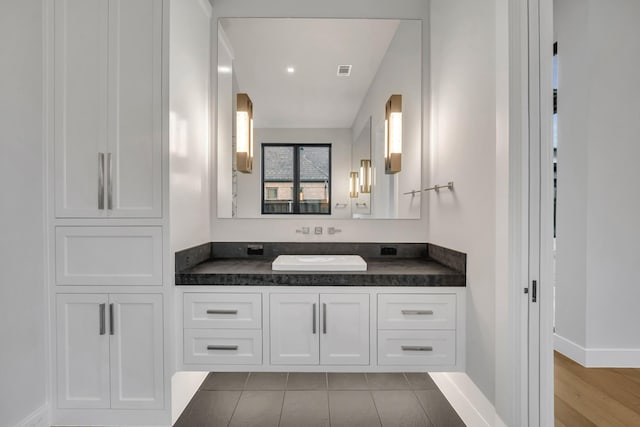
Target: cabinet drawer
x,y
416,347
416,311
223,311
226,347
108,255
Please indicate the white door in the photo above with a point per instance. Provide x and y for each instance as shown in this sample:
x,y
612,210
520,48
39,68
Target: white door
x,y
344,338
136,351
82,351
294,329
80,106
134,158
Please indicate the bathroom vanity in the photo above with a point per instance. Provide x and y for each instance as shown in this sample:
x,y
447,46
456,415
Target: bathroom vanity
x,y
404,313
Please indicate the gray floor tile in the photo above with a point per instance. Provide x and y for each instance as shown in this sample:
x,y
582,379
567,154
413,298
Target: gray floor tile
x,y
346,381
307,381
225,381
438,409
266,381
258,408
420,381
209,409
352,408
387,381
399,408
305,408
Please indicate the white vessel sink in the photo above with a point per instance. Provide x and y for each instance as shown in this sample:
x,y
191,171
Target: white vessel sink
x,y
319,263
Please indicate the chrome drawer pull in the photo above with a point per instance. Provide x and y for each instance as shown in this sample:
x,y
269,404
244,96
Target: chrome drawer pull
x,y
417,311
222,311
416,348
222,347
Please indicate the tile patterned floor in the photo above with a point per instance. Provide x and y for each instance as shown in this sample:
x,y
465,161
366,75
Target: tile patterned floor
x,y
263,399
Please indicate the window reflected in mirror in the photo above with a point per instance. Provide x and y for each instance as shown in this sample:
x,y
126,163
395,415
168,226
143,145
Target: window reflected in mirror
x,y
296,179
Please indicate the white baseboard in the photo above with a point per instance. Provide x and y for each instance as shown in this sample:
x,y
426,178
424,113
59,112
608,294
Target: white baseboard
x,y
467,399
598,357
183,386
568,348
38,418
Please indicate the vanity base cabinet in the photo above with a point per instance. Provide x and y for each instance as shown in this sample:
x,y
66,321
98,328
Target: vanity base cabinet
x,y
110,351
323,329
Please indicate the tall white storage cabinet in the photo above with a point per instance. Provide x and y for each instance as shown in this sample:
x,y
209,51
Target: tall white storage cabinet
x,y
108,215
108,109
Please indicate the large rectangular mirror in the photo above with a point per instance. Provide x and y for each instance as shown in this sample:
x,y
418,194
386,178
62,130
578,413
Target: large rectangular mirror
x,y
351,86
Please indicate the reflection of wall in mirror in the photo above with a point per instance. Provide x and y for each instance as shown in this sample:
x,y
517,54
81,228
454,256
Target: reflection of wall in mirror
x,y
400,73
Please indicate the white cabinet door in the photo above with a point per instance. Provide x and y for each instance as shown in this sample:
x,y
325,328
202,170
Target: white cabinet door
x,y
345,329
108,108
294,329
134,181
80,105
136,351
82,351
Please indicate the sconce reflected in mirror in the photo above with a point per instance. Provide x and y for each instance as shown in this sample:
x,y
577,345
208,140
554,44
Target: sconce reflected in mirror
x,y
365,176
244,133
393,134
353,185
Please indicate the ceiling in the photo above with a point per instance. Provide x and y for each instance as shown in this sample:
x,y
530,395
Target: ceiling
x,y
313,96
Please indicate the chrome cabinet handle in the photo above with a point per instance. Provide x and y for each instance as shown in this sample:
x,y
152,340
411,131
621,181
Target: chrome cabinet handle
x,y
324,318
111,321
222,311
313,319
417,311
102,319
222,347
100,181
416,348
109,182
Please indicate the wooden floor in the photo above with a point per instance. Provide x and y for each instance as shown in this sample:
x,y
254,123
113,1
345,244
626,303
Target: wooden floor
x,y
595,396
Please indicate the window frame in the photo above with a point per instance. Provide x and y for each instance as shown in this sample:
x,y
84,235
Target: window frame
x,y
296,177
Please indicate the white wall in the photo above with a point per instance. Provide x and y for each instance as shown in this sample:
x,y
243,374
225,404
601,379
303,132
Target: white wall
x,y
352,230
598,199
399,73
249,186
190,75
23,370
463,150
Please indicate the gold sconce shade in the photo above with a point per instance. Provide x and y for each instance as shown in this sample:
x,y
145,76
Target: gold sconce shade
x,y
393,135
353,185
365,176
244,133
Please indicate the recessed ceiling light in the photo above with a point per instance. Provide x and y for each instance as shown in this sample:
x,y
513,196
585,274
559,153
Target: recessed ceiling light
x,y
291,70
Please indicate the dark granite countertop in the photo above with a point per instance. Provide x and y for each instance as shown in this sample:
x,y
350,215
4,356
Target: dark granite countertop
x,y
380,272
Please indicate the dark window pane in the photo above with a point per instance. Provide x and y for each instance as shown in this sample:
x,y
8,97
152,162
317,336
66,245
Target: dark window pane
x,y
296,179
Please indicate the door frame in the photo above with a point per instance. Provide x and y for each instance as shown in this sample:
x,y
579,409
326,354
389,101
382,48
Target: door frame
x,y
538,380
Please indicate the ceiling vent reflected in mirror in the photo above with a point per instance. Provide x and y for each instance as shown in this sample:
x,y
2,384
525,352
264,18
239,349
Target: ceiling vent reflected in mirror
x,y
344,70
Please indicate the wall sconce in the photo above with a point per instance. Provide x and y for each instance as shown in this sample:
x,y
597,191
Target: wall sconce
x,y
244,133
393,134
353,185
365,176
